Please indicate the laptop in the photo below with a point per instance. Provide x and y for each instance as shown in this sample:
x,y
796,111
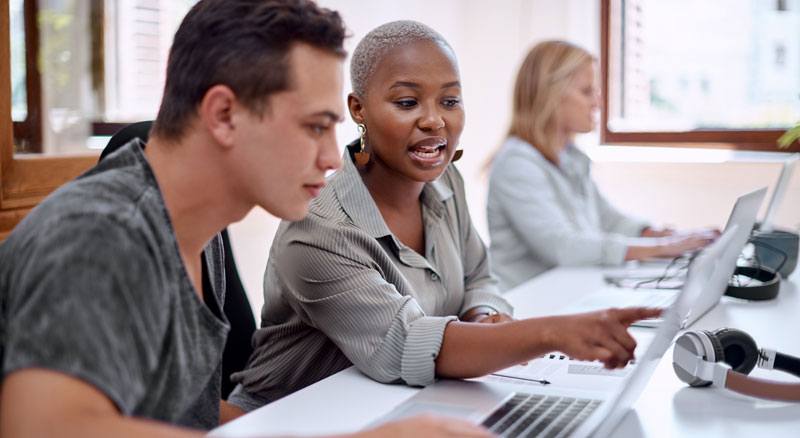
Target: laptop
x,y
533,410
743,217
779,193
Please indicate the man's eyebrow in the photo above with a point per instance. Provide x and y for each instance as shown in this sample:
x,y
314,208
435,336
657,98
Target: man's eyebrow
x,y
452,84
330,114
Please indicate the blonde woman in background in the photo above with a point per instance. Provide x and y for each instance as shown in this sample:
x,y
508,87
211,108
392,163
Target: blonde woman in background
x,y
544,209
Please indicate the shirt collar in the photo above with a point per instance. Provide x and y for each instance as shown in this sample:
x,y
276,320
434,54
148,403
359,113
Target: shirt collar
x,y
574,161
358,204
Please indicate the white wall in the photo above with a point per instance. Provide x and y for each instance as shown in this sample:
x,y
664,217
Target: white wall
x,y
490,40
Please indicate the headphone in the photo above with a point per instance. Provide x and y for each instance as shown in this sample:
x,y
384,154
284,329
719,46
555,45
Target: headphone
x,y
697,355
770,284
768,277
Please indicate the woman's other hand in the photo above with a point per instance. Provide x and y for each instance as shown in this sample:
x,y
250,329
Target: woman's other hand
x,y
671,246
678,243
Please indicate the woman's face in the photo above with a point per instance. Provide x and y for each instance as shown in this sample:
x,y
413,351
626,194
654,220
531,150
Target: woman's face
x,y
580,102
413,111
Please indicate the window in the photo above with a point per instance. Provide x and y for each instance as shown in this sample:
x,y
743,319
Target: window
x,y
728,74
84,68
47,119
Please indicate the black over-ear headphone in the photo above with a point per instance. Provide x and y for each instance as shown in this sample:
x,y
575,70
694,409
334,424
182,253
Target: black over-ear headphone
x,y
768,278
770,284
697,355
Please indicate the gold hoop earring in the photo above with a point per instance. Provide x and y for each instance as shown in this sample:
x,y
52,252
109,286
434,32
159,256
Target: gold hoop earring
x,y
457,155
362,157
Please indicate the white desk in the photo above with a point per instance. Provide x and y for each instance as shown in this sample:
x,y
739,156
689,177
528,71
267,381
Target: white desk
x,y
349,401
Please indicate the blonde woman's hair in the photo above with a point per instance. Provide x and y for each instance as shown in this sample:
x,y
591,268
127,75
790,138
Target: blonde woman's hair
x,y
541,82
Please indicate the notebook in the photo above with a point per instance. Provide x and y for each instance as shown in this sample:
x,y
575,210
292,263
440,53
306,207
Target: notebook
x,y
529,409
742,219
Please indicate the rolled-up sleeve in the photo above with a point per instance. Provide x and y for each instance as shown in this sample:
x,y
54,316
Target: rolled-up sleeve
x,y
421,349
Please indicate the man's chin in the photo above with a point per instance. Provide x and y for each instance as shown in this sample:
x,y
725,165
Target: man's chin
x,y
296,214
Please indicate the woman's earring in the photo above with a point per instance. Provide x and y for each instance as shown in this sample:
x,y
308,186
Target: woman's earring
x,y
457,155
362,157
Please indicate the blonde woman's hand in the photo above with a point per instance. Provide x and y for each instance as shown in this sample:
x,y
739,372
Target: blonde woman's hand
x,y
676,245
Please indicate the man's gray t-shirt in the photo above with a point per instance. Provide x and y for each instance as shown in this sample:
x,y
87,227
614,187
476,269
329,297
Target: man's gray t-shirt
x,y
92,285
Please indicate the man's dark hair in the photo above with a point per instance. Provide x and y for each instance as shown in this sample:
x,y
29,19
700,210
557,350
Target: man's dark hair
x,y
243,44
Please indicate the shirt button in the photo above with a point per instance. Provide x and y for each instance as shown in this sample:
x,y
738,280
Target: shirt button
x,y
434,276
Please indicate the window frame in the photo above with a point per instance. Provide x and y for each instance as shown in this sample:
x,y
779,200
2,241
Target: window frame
x,y
738,139
30,129
25,179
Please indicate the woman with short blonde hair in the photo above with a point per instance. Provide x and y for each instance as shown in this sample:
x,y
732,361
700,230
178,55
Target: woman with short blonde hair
x,y
544,209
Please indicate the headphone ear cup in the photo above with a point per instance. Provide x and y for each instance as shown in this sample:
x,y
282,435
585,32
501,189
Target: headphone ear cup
x,y
703,344
739,349
718,352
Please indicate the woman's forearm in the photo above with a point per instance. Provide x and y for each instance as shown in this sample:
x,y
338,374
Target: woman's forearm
x,y
474,350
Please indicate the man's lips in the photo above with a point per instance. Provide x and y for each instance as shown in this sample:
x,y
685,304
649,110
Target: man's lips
x,y
314,189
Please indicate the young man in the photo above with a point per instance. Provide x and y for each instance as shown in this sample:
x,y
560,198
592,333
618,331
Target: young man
x,y
111,289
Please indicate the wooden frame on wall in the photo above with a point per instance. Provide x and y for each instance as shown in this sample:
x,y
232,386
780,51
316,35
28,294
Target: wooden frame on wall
x,y
762,139
25,179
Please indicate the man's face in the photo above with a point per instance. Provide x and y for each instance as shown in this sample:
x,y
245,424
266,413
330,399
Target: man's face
x,y
283,155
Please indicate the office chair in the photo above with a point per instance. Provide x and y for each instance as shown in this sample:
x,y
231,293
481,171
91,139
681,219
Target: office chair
x,y
236,307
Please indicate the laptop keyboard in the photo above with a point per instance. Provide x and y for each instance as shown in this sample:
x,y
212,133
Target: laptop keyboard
x,y
536,415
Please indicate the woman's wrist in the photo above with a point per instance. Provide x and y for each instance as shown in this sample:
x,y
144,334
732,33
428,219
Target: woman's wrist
x,y
547,331
477,312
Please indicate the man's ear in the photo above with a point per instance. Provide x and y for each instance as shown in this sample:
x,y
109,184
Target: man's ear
x,y
356,107
217,114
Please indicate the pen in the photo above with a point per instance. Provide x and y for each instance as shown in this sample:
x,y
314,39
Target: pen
x,y
540,381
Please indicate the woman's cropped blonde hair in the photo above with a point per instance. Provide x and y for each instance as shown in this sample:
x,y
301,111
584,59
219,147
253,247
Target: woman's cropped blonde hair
x,y
541,82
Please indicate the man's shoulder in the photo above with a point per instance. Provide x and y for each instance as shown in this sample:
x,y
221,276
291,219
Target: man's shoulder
x,y
111,213
119,192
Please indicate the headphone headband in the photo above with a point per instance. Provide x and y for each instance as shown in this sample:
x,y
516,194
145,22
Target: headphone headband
x,y
762,388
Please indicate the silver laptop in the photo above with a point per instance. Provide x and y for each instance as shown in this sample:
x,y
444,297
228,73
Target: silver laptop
x,y
533,410
779,193
743,217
